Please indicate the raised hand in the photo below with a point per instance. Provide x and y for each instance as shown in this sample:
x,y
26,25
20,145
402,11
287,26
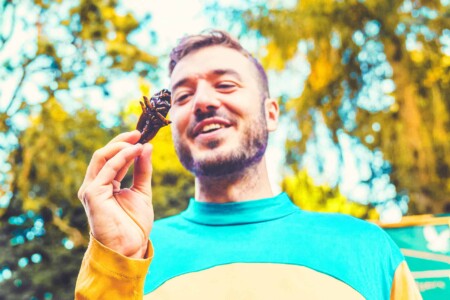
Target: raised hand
x,y
120,218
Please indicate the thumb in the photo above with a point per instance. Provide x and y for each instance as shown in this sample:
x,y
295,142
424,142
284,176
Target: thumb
x,y
142,175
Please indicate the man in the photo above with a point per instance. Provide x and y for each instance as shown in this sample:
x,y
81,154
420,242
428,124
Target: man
x,y
236,240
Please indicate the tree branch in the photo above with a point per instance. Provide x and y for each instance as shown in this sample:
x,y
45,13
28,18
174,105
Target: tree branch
x,y
5,38
16,91
22,79
73,234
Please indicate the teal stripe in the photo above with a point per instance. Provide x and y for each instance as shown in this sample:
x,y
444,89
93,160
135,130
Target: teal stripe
x,y
239,212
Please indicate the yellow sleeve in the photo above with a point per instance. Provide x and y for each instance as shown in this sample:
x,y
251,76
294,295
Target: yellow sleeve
x,y
403,286
105,274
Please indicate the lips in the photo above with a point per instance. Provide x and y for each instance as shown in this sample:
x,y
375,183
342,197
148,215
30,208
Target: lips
x,y
210,125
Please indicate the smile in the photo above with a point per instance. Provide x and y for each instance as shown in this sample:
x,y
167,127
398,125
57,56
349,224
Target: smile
x,y
210,125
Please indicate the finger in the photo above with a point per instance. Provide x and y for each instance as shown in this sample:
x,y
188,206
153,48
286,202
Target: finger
x,y
99,159
90,178
115,145
116,186
115,164
102,155
121,174
142,177
131,137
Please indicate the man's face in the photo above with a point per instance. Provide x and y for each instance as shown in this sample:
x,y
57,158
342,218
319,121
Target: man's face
x,y
218,113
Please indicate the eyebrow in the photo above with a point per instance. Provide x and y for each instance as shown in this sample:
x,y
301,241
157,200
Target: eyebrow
x,y
227,72
216,72
179,83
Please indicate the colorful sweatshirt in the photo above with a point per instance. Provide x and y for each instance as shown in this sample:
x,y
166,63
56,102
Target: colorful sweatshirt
x,y
261,249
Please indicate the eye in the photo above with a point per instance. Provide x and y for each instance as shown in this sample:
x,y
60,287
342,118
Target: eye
x,y
226,86
182,97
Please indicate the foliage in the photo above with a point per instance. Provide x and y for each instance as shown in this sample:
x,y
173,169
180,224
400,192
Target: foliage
x,y
45,217
62,49
379,72
34,261
321,198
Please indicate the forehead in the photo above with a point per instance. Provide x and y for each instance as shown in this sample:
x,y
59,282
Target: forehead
x,y
203,62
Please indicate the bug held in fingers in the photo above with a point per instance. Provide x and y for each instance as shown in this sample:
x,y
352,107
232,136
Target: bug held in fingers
x,y
154,113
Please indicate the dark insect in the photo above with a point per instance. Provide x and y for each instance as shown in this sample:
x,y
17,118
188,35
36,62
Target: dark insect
x,y
153,117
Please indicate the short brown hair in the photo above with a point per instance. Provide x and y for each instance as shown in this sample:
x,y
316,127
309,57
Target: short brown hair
x,y
210,38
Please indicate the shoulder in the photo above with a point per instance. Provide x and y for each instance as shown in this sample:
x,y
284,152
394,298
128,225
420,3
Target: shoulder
x,y
345,229
347,243
340,223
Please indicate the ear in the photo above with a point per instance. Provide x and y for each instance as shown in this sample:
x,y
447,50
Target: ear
x,y
272,112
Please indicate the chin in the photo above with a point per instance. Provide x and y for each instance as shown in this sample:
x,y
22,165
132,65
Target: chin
x,y
224,163
211,158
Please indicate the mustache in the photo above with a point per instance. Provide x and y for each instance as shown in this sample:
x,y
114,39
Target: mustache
x,y
200,116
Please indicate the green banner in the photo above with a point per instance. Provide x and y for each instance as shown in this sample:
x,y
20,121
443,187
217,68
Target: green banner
x,y
425,243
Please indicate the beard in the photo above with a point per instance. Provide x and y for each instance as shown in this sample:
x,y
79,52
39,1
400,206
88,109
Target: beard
x,y
249,152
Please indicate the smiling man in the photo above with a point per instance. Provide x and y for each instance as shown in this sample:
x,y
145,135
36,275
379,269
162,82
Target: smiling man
x,y
236,239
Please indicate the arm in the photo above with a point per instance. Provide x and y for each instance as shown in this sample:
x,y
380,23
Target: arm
x,y
120,220
403,285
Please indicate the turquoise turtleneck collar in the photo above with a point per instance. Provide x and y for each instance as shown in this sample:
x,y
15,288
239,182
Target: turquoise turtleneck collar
x,y
234,213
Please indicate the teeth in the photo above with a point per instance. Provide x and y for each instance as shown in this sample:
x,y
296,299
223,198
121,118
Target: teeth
x,y
210,127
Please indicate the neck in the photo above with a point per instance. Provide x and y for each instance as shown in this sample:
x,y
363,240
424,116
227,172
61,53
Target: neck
x,y
249,184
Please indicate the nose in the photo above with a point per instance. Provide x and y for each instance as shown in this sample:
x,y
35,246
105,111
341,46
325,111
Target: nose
x,y
205,99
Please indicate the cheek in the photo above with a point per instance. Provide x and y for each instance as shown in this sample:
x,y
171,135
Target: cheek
x,y
176,129
180,121
247,102
249,112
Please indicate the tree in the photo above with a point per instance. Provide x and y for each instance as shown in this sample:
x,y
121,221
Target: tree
x,y
380,73
44,228
66,50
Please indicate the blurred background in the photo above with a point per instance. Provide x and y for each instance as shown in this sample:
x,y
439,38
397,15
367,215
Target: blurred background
x,y
364,89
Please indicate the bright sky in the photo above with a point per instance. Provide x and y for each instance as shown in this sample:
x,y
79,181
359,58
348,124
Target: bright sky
x,y
171,18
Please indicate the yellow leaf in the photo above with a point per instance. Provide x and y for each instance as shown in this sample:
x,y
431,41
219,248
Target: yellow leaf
x,y
321,73
273,59
417,56
144,86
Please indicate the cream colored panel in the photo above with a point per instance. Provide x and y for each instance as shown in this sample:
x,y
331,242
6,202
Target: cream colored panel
x,y
254,281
